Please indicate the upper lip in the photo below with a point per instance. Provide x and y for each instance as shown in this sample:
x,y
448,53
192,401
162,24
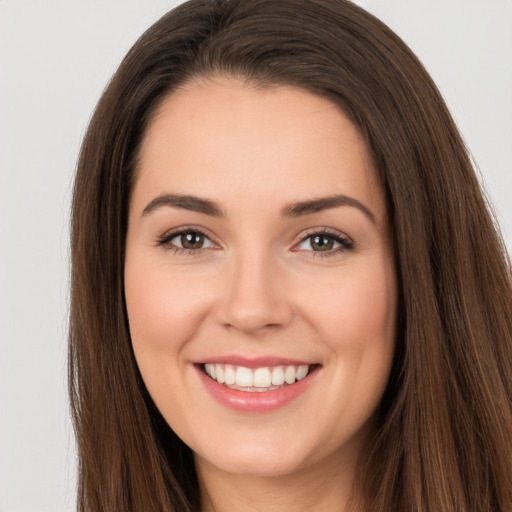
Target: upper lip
x,y
253,362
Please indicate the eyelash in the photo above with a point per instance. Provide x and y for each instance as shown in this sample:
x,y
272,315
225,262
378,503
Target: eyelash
x,y
165,241
345,244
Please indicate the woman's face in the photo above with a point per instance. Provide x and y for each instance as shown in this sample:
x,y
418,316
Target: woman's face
x,y
258,252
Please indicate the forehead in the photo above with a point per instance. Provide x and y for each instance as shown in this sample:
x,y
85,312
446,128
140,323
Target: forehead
x,y
224,137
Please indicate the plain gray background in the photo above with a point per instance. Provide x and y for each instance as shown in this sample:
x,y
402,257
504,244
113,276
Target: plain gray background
x,y
55,59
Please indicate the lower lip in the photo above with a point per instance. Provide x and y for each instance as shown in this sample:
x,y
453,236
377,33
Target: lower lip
x,y
255,401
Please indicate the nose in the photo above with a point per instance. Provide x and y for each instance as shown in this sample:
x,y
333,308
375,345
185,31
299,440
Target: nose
x,y
255,299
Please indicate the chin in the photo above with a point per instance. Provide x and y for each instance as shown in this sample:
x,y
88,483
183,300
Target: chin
x,y
256,459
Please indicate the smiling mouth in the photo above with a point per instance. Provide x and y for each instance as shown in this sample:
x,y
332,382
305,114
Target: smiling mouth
x,y
267,378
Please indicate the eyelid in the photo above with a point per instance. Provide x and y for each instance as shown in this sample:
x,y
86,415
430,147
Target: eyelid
x,y
346,243
164,240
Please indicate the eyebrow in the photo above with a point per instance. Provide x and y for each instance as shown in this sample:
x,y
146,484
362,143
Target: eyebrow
x,y
297,209
185,202
325,203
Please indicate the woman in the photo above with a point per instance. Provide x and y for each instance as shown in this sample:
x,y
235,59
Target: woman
x,y
287,291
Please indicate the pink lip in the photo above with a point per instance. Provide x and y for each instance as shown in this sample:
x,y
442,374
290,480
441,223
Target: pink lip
x,y
255,402
253,362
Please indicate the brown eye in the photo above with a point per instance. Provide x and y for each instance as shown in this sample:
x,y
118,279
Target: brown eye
x,y
186,240
327,243
192,240
321,243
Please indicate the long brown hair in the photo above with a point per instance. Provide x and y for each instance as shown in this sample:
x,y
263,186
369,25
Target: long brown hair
x,y
444,439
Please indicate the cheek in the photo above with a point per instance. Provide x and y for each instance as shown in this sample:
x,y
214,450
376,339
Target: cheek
x,y
163,310
357,321
164,314
357,310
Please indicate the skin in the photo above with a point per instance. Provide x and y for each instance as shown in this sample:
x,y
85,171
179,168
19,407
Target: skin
x,y
258,287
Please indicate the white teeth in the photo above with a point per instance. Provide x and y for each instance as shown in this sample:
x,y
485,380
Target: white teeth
x,y
289,374
278,376
257,379
262,378
302,371
210,370
219,371
244,377
229,375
